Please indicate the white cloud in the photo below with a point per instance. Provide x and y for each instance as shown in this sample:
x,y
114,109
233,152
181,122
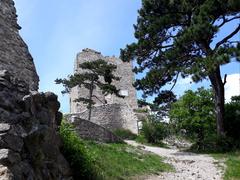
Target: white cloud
x,y
232,87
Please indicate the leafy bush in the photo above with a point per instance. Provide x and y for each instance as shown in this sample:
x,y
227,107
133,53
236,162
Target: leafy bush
x,y
125,134
78,156
194,112
141,110
154,130
232,119
141,139
213,144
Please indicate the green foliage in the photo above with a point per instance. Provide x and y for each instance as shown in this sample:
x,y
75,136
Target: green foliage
x,y
232,161
125,134
232,119
194,112
141,110
178,38
121,161
79,157
141,139
100,161
90,78
154,130
233,166
161,106
213,144
142,102
94,70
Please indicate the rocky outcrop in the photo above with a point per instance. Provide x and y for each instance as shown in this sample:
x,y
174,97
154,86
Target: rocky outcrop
x,y
29,120
29,144
14,54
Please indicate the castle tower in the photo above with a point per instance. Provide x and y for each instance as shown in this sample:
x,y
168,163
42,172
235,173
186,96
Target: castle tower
x,y
109,111
124,71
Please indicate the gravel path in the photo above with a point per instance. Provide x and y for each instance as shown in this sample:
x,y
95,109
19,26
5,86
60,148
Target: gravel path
x,y
188,166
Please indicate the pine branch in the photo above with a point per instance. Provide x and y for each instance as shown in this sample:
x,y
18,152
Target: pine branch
x,y
227,37
227,20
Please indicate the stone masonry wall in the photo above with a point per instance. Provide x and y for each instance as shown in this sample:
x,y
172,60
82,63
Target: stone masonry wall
x,y
29,144
92,131
14,54
111,116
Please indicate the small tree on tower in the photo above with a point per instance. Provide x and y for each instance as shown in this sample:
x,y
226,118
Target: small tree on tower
x,y
97,73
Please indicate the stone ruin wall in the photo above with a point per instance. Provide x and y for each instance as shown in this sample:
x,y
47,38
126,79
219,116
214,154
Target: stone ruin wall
x,y
124,71
14,54
92,131
29,120
111,116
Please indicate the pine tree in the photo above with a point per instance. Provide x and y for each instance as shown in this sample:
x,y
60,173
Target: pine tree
x,y
177,38
97,73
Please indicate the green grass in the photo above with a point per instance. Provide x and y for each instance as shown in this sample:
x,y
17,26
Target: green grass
x,y
121,161
141,139
125,134
91,160
232,162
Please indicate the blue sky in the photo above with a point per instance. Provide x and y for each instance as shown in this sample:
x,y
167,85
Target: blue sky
x,y
56,31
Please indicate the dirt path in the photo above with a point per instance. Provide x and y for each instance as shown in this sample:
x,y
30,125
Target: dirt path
x,y
188,166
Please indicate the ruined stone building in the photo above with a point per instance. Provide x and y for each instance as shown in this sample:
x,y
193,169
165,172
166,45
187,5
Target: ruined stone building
x,y
109,111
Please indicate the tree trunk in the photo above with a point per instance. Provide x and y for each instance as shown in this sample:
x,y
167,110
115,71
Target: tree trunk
x,y
218,89
90,102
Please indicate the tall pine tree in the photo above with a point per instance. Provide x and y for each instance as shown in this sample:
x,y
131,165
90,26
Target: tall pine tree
x,y
177,38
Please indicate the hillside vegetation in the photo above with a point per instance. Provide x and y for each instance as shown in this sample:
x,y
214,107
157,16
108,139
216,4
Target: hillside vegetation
x,y
92,160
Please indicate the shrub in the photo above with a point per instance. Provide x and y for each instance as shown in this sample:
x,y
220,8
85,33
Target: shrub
x,y
154,130
77,154
213,144
232,119
125,134
194,112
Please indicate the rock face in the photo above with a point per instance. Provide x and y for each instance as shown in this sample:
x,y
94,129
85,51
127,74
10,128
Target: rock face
x,y
29,144
14,54
29,120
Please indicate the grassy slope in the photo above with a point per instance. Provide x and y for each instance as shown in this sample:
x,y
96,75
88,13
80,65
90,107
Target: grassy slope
x,y
90,160
119,161
232,161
